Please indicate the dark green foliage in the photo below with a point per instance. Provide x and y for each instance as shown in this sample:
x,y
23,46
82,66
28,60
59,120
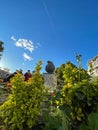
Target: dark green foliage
x,y
55,119
92,122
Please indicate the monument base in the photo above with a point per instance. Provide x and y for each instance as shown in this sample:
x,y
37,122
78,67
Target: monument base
x,y
50,81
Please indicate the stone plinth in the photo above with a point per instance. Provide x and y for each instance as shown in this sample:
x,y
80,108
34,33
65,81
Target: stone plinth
x,y
50,80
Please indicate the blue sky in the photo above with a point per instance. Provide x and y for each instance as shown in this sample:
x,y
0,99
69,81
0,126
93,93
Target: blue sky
x,y
44,30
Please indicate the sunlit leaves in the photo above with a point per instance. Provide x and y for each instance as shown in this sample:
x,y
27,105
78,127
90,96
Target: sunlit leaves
x,y
24,103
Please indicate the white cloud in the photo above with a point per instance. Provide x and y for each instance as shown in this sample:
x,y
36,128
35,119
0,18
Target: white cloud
x,y
27,45
24,43
13,38
27,57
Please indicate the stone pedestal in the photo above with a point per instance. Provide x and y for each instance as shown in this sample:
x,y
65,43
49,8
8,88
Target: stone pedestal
x,y
50,81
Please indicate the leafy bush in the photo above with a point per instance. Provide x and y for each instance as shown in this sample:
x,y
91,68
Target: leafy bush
x,y
78,96
70,73
92,122
55,119
79,100
23,107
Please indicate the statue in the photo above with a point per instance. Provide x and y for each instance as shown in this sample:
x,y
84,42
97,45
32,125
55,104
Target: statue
x,y
50,67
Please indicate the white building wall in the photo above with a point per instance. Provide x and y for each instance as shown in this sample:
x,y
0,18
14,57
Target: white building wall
x,y
94,69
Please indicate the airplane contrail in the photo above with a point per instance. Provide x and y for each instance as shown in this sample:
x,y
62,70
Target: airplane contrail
x,y
46,9
48,15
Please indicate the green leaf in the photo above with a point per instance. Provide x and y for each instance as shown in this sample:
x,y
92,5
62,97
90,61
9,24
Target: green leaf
x,y
93,121
66,109
79,95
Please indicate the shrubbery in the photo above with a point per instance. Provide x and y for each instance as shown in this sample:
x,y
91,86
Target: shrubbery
x,y
78,97
74,106
23,107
